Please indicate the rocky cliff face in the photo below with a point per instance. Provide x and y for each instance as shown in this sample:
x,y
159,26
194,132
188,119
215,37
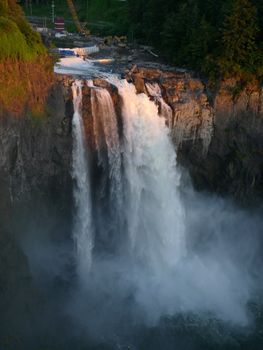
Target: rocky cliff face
x,y
35,183
233,164
218,134
36,150
192,116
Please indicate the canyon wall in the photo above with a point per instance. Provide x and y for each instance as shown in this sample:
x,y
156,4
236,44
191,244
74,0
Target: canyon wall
x,y
218,133
218,136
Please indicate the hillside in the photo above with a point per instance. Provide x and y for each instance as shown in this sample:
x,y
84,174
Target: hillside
x,y
25,67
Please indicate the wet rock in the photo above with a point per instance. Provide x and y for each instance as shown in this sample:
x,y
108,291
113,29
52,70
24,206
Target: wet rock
x,y
195,85
139,83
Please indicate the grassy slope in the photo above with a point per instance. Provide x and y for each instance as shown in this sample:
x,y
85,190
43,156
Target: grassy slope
x,y
25,67
17,39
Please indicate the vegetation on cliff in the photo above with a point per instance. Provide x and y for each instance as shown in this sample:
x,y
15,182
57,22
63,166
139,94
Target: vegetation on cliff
x,y
18,39
25,67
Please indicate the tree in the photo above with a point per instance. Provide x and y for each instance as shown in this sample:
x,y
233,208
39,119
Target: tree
x,y
240,52
187,36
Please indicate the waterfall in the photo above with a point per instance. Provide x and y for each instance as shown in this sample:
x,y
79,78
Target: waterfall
x,y
108,195
155,92
106,134
130,225
82,231
131,253
153,210
136,199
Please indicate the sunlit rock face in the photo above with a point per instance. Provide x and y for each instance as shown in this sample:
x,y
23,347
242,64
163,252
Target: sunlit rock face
x,y
191,114
234,99
218,133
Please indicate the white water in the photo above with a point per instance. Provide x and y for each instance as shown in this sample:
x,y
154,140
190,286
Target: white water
x,y
82,232
155,92
153,210
108,147
106,133
147,197
77,66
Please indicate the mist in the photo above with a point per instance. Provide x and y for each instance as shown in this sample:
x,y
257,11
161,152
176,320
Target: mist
x,y
215,281
218,277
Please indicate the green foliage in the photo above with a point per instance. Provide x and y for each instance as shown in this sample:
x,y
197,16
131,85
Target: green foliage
x,y
17,39
214,37
3,7
32,38
102,16
12,43
240,51
191,35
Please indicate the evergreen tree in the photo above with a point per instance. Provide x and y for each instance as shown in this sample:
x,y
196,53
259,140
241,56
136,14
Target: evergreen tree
x,y
187,36
240,52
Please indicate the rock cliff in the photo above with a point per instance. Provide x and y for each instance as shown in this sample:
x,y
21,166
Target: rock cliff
x,y
35,191
218,133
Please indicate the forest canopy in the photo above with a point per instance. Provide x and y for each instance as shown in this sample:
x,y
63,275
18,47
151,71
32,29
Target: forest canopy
x,y
214,37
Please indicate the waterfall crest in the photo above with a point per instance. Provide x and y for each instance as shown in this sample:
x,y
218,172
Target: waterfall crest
x,y
82,231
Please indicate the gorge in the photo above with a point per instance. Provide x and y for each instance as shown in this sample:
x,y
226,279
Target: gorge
x,y
106,241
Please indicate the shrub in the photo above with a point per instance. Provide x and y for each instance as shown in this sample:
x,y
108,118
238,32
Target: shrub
x,y
12,42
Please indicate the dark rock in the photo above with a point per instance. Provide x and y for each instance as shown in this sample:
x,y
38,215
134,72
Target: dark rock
x,y
35,163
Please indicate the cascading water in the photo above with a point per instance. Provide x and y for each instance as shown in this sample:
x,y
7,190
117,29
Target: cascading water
x,y
108,185
155,92
145,198
153,210
106,135
138,217
130,228
82,232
